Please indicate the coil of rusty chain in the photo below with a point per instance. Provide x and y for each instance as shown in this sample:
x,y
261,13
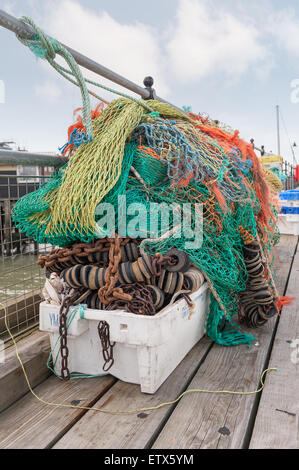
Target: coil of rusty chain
x,y
160,261
174,261
141,302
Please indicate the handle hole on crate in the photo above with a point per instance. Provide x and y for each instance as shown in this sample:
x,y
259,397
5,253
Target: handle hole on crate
x,y
123,327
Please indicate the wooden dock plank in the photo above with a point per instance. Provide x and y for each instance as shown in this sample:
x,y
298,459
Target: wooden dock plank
x,y
284,252
102,431
34,351
218,421
198,421
221,421
277,422
30,424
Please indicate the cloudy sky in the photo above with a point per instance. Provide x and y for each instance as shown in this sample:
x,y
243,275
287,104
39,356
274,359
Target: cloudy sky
x,y
234,60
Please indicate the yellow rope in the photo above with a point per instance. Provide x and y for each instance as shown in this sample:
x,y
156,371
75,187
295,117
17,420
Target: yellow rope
x,y
273,181
124,412
18,338
95,167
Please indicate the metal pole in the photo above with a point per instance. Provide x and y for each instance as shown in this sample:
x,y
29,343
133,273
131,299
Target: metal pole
x,y
294,156
26,31
9,157
292,173
285,173
278,130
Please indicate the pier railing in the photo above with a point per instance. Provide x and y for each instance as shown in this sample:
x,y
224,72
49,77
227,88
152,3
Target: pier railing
x,y
21,280
289,171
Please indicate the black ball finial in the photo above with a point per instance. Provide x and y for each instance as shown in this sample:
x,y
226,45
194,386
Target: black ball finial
x,y
148,82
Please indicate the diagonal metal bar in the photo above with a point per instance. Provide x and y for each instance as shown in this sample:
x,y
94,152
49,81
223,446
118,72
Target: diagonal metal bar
x,y
16,26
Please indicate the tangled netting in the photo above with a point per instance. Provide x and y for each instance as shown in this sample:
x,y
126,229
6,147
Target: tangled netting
x,y
273,179
164,156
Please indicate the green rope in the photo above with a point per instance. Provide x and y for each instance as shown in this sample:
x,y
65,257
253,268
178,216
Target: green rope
x,y
46,48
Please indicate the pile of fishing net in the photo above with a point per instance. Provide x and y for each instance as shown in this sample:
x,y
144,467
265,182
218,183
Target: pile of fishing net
x,y
140,158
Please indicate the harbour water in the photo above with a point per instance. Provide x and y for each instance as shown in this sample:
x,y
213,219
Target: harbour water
x,y
19,275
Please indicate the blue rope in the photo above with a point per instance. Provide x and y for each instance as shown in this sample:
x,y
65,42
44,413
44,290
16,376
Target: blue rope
x,y
77,138
187,153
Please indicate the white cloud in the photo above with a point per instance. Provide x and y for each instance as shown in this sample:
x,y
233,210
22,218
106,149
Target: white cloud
x,y
208,40
203,39
48,90
131,50
284,26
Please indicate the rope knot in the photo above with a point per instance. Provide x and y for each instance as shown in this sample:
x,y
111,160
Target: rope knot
x,y
45,48
41,45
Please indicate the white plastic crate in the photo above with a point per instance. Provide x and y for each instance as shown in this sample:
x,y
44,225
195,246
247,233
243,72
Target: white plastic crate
x,y
288,224
147,349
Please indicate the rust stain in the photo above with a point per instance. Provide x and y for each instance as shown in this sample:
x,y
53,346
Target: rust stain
x,y
191,308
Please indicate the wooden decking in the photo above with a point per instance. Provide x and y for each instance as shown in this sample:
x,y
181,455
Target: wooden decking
x,y
199,420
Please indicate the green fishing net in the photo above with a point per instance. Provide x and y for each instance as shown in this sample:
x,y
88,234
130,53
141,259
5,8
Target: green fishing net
x,y
173,161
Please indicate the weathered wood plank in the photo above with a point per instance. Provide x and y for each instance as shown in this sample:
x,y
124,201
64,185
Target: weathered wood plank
x,y
34,351
96,430
276,425
220,421
29,424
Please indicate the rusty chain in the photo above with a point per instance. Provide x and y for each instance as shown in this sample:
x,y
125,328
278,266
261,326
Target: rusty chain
x,y
64,351
160,261
109,291
107,346
81,250
141,302
104,334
